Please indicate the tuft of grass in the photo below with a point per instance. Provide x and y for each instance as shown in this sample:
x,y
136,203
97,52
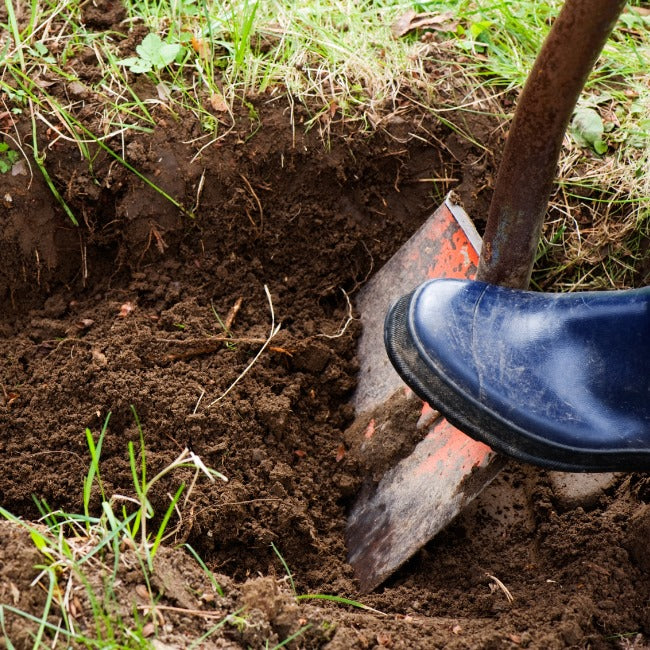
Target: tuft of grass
x,y
84,553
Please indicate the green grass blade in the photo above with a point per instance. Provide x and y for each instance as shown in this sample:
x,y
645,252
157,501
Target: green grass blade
x,y
39,159
46,608
286,567
202,564
143,462
57,629
165,521
134,470
197,643
339,600
15,32
93,469
295,635
5,635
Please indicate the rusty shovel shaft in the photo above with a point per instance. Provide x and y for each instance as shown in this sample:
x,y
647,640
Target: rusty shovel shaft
x,y
530,157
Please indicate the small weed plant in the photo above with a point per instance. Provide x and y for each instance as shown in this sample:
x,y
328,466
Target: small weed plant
x,y
8,157
153,54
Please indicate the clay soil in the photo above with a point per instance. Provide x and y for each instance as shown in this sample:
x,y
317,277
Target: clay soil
x,y
122,311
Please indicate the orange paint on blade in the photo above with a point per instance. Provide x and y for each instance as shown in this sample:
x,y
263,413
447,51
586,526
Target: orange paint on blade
x,y
429,239
426,409
455,448
370,430
442,250
464,246
456,258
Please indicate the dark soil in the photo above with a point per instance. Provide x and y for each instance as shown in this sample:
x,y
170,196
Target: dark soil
x,y
122,311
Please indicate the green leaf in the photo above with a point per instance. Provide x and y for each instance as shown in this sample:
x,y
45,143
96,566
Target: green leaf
x,y
600,147
168,52
41,543
477,28
587,130
136,64
140,66
7,157
155,52
480,31
150,45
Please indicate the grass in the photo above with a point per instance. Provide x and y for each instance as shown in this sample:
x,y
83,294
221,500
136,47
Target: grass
x,y
339,600
85,556
340,60
88,557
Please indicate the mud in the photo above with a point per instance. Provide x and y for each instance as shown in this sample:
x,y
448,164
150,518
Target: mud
x,y
159,309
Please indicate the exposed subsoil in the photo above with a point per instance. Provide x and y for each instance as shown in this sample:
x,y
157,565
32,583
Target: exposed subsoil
x,y
122,311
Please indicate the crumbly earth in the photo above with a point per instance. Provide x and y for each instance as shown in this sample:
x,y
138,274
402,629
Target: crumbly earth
x,y
128,309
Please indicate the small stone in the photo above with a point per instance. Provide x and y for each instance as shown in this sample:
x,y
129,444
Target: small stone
x,y
580,490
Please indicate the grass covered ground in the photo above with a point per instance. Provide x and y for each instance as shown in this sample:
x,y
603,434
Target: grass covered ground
x,y
355,61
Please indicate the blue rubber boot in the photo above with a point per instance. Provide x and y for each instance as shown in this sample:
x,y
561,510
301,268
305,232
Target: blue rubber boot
x,y
557,380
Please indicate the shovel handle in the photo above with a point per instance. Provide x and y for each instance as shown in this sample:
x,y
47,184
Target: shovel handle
x,y
532,150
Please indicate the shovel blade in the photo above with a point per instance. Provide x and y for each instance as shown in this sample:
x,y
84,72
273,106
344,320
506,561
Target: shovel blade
x,y
445,246
415,500
422,493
